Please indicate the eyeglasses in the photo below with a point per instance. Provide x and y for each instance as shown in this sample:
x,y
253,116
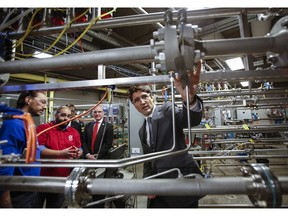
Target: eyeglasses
x,y
142,97
40,101
65,115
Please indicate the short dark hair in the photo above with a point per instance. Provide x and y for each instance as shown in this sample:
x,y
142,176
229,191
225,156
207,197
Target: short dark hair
x,y
71,106
60,108
134,89
21,99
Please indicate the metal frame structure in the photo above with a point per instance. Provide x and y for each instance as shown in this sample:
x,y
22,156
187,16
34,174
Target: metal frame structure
x,y
262,187
173,48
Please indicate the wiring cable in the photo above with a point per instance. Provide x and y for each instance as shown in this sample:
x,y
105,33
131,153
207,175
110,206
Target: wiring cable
x,y
30,132
30,27
84,32
63,31
58,38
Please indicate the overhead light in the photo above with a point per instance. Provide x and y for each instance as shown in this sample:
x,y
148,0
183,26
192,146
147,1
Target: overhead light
x,y
235,63
244,83
38,54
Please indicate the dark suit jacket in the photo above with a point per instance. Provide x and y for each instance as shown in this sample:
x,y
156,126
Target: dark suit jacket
x,y
78,127
106,143
163,139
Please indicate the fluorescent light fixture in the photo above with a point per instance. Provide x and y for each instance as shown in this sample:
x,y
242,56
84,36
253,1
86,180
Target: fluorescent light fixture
x,y
38,54
235,63
244,83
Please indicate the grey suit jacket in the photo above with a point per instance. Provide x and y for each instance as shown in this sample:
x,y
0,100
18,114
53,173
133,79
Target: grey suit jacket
x,y
163,139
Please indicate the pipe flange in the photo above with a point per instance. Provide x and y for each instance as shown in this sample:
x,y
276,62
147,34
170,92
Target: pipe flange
x,y
75,187
179,49
188,46
267,190
172,53
278,57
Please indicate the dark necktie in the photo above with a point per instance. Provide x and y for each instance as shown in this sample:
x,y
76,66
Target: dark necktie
x,y
151,137
94,135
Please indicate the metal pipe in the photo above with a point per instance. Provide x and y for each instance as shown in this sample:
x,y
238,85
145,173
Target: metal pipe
x,y
274,75
87,83
223,129
140,19
235,46
241,92
199,187
243,157
32,183
142,11
79,60
248,151
270,99
13,20
182,186
269,140
128,162
278,74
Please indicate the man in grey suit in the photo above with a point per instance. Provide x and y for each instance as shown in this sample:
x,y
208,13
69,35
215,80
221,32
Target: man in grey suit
x,y
162,139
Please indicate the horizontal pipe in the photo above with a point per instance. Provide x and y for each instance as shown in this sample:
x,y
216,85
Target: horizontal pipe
x,y
44,79
78,60
90,164
241,92
236,92
238,140
139,19
198,186
247,151
278,74
87,83
33,183
181,186
227,129
242,157
241,45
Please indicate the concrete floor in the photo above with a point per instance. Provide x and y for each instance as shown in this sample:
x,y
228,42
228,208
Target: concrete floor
x,y
219,168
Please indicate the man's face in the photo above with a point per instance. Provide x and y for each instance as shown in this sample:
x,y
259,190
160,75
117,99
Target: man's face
x,y
62,116
37,105
98,113
143,102
73,111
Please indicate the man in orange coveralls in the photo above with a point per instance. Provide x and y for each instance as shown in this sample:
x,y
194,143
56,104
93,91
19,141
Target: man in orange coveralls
x,y
61,142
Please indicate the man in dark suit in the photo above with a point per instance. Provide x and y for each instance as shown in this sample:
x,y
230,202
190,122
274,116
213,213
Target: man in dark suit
x,y
99,148
162,138
98,137
77,124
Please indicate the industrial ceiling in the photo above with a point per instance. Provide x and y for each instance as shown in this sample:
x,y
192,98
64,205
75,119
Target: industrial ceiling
x,y
80,31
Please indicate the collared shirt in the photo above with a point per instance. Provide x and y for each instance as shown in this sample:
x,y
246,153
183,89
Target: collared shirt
x,y
58,139
147,127
99,123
